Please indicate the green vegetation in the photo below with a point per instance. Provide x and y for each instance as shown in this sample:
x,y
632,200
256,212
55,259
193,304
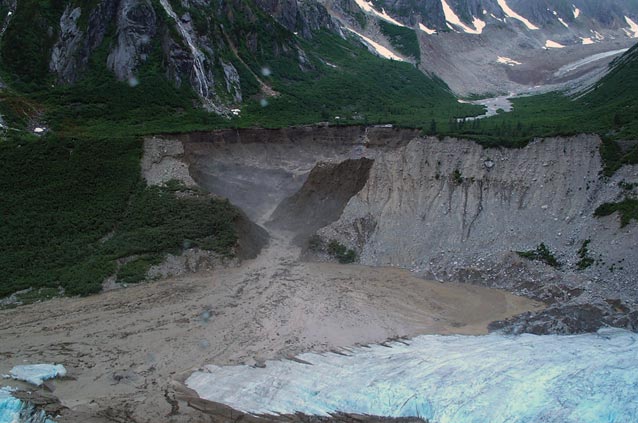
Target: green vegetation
x,y
541,253
609,109
356,88
583,253
343,254
627,209
134,271
72,208
402,38
457,177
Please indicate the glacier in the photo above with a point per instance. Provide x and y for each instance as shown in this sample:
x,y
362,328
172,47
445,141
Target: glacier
x,y
13,410
589,378
36,374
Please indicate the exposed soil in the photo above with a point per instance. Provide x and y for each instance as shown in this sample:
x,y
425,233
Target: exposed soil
x,y
127,349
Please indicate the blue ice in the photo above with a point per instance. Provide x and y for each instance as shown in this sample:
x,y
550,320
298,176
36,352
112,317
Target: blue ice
x,y
36,374
591,378
13,410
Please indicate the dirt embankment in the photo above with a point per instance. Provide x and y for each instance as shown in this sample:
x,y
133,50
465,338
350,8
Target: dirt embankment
x,y
453,210
450,209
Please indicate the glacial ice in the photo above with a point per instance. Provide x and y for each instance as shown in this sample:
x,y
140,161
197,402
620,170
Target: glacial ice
x,y
591,378
35,374
13,410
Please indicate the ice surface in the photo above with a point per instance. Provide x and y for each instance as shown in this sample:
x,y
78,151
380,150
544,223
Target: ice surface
x,y
590,378
35,374
13,410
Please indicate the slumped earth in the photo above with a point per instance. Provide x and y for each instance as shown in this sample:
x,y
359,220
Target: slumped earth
x,y
152,352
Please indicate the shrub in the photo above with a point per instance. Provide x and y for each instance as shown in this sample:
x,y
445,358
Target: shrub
x,y
343,254
585,261
541,253
628,210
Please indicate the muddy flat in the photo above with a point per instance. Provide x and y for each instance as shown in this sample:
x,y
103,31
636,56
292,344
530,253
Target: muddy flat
x,y
126,348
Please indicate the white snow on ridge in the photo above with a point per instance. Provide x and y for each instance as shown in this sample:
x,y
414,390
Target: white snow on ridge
x,y
426,29
378,48
588,378
597,35
512,14
553,44
632,32
508,61
576,12
368,7
452,18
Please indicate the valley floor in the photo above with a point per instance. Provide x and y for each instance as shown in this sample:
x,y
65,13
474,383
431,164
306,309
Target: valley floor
x,y
128,350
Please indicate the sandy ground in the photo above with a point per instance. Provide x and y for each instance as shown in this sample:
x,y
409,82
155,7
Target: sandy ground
x,y
127,349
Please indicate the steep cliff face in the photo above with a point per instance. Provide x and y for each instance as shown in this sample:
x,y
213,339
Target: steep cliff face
x,y
136,23
454,210
299,16
203,44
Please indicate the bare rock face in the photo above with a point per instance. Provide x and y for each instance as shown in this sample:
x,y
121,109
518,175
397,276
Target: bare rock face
x,y
301,16
137,25
64,54
72,51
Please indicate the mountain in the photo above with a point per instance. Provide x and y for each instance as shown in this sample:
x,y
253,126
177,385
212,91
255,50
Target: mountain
x,y
502,46
151,64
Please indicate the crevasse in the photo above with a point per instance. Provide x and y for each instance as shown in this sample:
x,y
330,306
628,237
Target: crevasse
x,y
13,410
591,378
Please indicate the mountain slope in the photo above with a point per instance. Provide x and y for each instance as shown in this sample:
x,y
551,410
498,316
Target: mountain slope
x,y
149,65
499,46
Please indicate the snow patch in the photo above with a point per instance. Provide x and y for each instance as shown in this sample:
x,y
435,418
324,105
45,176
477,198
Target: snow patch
x,y
589,378
587,41
508,61
587,60
553,44
36,374
426,29
368,7
563,22
512,14
576,12
452,18
378,48
632,32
